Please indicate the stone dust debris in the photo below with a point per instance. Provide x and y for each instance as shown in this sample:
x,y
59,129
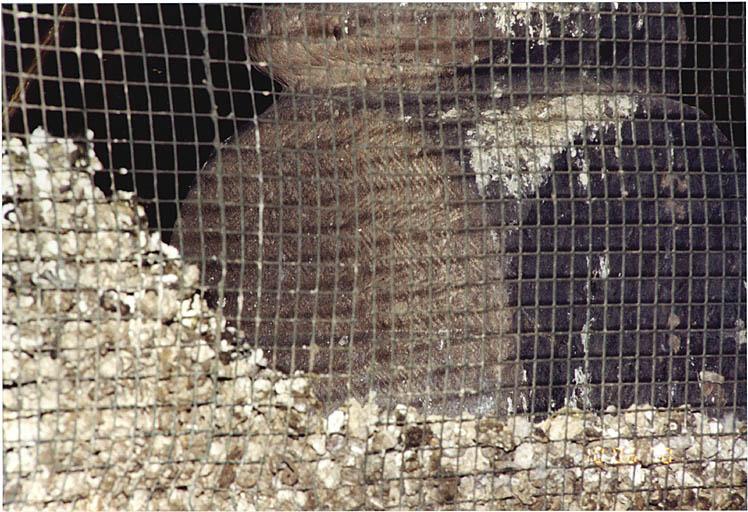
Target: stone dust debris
x,y
119,394
517,147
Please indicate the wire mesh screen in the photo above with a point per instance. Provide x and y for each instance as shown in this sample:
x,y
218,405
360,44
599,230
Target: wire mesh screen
x,y
374,256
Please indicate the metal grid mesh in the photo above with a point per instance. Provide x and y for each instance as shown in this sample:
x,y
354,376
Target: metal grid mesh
x,y
528,213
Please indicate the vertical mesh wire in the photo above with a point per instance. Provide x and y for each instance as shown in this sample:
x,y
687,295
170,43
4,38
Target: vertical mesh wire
x,y
395,256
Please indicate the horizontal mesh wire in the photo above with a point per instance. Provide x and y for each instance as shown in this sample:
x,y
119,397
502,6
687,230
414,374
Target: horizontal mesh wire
x,y
394,256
